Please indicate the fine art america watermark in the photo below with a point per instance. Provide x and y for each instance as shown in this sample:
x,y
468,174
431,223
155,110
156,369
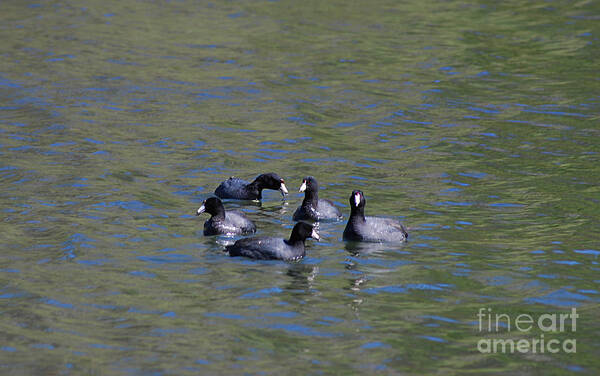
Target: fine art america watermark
x,y
547,323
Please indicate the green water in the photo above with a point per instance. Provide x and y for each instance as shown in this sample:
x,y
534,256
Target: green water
x,y
476,124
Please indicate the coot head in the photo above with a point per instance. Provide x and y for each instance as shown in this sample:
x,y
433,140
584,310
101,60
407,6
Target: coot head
x,y
303,231
357,200
212,206
309,184
272,181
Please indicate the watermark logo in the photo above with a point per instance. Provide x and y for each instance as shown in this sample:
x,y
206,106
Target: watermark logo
x,y
491,322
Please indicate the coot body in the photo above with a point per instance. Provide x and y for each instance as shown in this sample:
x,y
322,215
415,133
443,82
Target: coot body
x,y
371,229
312,207
224,222
271,248
239,189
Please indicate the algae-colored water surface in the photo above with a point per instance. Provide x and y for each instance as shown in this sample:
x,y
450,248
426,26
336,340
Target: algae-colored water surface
x,y
475,123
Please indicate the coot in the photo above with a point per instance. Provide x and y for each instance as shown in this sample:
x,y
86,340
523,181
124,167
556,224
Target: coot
x,y
371,229
242,190
224,222
269,248
313,207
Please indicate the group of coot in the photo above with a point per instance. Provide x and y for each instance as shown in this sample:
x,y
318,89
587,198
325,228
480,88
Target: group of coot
x,y
313,208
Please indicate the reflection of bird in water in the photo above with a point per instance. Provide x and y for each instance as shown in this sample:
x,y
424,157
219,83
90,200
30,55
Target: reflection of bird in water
x,y
358,248
356,283
284,208
272,210
225,241
302,278
360,277
243,203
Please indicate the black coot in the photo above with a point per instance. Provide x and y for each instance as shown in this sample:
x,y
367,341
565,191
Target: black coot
x,y
224,222
371,229
242,190
269,248
314,208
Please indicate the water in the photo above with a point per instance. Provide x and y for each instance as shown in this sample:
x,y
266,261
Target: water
x,y
475,124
